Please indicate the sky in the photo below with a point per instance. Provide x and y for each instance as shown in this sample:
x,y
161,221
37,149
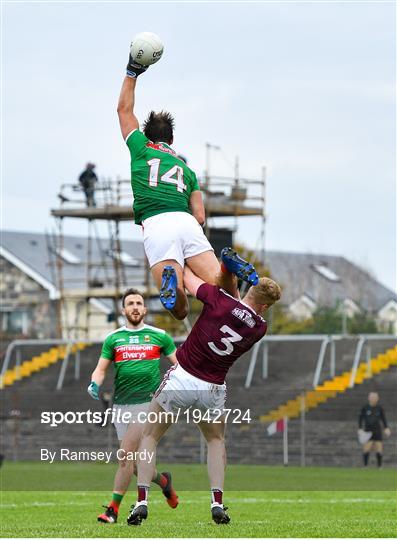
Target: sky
x,y
306,89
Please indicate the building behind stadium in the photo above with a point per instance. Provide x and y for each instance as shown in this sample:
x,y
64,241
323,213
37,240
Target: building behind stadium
x,y
30,292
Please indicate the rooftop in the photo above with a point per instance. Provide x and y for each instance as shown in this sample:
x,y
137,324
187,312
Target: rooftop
x,y
326,279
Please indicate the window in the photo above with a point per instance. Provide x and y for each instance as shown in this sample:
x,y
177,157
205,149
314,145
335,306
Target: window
x,y
124,257
303,307
15,322
349,307
67,256
326,272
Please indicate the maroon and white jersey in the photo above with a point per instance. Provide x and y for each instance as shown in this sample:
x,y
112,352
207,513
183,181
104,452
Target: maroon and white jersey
x,y
226,329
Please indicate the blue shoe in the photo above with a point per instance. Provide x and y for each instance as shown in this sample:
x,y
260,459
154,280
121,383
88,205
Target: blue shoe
x,y
168,288
238,266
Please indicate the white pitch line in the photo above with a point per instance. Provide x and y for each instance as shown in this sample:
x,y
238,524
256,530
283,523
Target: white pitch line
x,y
308,501
251,500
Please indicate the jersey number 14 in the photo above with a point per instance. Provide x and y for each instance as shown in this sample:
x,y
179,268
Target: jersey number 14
x,y
168,176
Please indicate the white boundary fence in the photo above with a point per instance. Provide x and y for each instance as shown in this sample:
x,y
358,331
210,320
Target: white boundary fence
x,y
325,341
18,344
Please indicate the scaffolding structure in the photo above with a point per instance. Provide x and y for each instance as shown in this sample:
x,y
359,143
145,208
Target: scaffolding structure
x,y
224,197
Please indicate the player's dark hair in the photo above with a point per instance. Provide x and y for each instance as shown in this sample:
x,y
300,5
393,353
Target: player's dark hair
x,y
128,292
159,127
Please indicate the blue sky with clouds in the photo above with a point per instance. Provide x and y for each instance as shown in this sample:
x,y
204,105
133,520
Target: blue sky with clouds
x,y
307,89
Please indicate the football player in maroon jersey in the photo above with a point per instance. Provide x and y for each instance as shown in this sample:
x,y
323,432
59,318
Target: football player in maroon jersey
x,y
226,328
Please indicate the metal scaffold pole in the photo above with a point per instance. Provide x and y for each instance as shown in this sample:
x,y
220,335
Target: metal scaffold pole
x,y
88,280
96,282
118,271
61,307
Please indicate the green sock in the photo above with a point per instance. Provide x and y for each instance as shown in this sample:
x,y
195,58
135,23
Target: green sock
x,y
116,499
159,480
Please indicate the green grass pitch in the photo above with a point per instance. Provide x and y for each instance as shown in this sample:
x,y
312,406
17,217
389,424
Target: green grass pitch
x,y
292,502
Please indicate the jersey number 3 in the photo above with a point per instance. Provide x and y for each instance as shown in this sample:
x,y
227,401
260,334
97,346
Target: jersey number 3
x,y
168,176
227,341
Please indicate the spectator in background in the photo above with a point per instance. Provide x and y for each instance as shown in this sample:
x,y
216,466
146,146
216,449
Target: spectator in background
x,y
87,180
372,420
182,158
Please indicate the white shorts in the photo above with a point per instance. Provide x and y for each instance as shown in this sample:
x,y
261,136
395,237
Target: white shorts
x,y
173,236
124,415
180,390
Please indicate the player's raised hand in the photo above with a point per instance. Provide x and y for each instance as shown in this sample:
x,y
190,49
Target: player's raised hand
x,y
93,390
134,69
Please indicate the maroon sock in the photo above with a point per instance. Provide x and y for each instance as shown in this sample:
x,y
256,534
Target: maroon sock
x,y
224,270
143,492
216,496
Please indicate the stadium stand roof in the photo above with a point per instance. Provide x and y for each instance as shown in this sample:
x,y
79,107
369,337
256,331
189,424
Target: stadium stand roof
x,y
325,279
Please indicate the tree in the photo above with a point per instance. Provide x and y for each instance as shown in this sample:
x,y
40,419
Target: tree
x,y
362,323
325,320
280,322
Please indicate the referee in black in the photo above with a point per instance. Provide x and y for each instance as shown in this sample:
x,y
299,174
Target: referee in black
x,y
372,419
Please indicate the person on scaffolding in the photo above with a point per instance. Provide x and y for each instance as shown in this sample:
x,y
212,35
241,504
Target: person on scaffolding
x,y
87,180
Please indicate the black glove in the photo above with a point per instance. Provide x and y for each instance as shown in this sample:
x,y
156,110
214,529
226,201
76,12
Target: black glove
x,y
134,69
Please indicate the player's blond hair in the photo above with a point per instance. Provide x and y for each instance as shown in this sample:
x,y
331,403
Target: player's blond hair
x,y
266,292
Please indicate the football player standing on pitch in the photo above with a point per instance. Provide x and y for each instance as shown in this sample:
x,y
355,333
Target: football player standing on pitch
x,y
226,328
134,350
167,200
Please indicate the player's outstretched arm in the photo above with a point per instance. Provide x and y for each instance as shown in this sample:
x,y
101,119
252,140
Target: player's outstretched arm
x,y
228,282
197,206
125,109
97,377
191,281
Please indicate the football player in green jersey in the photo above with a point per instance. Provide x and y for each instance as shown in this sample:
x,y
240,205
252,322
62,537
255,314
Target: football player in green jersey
x,y
134,350
167,201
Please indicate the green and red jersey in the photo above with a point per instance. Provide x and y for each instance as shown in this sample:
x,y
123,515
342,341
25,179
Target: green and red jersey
x,y
136,359
160,180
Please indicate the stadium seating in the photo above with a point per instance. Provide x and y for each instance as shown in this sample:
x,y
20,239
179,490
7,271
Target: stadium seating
x,y
291,369
37,363
332,387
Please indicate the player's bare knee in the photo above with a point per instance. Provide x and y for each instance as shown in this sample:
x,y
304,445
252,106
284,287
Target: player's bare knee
x,y
215,439
149,441
124,463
